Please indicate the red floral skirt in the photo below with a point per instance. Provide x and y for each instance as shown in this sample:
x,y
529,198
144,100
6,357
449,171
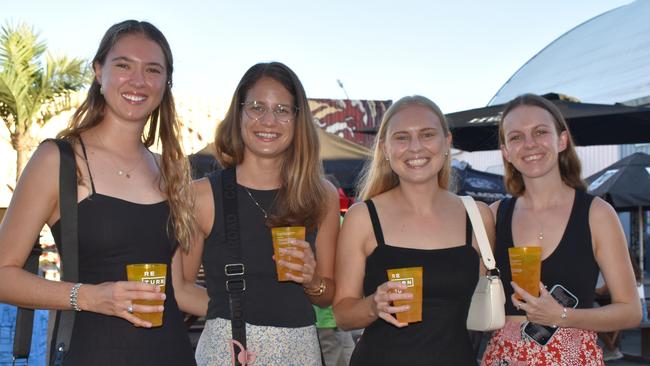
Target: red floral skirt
x,y
568,347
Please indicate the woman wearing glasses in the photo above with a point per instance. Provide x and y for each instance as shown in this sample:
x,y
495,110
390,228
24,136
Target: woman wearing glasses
x,y
269,141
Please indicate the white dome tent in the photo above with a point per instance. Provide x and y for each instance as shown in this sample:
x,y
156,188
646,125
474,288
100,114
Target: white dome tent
x,y
603,60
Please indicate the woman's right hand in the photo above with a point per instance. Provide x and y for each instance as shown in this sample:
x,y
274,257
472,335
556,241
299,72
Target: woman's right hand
x,y
386,293
115,299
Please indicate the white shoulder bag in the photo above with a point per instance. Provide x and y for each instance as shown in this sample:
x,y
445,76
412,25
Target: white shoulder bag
x,y
487,310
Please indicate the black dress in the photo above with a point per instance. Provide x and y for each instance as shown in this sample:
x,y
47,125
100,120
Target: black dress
x,y
113,233
441,338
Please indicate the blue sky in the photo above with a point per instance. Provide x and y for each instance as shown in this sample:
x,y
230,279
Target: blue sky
x,y
458,53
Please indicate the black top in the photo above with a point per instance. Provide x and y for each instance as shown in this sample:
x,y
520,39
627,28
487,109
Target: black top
x,y
113,233
441,338
572,263
267,301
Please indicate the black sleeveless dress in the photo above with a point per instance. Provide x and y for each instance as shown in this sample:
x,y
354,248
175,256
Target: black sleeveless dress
x,y
441,338
113,233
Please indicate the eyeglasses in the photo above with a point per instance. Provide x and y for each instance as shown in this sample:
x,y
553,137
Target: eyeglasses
x,y
257,110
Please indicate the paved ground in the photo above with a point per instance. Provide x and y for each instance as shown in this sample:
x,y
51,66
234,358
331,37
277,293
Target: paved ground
x,y
631,346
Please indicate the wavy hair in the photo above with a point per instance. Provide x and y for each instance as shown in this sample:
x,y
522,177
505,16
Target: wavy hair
x,y
568,161
377,176
302,197
163,126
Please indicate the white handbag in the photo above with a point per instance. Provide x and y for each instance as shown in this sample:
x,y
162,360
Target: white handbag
x,y
487,310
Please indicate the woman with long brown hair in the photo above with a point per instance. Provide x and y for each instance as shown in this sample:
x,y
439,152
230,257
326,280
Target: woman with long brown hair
x,y
134,207
578,235
268,141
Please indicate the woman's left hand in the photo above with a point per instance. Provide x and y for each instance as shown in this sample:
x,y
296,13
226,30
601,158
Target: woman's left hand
x,y
543,310
304,253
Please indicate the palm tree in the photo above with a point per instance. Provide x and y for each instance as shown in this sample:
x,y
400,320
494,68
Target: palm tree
x,y
32,91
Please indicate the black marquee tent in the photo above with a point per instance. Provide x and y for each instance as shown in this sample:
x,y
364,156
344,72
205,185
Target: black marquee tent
x,y
590,124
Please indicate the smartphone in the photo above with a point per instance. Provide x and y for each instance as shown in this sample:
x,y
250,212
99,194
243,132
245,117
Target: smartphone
x,y
542,334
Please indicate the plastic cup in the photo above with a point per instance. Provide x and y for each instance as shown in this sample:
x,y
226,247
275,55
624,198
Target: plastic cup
x,y
152,273
281,236
526,268
412,278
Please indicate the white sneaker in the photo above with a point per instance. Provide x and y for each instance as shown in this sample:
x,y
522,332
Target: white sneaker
x,y
612,355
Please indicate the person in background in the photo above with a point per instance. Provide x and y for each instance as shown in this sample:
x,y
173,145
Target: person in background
x,y
408,219
336,344
578,233
612,340
270,141
134,207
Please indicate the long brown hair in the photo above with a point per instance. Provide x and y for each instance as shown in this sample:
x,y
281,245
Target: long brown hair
x,y
302,197
163,126
568,161
377,175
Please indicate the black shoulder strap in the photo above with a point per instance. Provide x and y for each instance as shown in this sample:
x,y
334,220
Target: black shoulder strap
x,y
234,270
25,317
69,248
376,226
504,210
469,228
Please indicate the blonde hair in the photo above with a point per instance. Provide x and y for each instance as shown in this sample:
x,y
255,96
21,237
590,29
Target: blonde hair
x,y
568,161
174,167
377,176
302,197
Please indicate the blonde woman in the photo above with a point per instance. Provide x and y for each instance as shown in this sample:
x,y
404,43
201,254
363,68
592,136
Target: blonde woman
x,y
268,141
408,218
134,207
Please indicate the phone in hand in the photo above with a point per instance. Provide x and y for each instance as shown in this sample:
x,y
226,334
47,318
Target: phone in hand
x,y
542,334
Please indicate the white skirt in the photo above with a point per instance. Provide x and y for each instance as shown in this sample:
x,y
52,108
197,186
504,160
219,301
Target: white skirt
x,y
273,346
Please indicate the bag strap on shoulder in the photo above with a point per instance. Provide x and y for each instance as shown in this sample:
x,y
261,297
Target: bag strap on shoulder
x,y
479,231
69,248
234,270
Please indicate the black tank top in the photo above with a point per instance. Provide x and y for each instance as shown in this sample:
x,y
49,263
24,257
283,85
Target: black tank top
x,y
113,233
449,278
268,302
572,263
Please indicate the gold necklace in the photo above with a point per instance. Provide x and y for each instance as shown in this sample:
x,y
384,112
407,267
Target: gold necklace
x,y
120,171
266,216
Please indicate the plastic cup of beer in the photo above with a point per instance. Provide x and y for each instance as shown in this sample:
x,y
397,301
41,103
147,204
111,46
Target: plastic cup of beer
x,y
281,236
526,268
152,273
412,278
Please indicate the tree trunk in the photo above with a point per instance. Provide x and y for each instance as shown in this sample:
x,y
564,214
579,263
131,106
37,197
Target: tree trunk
x,y
20,143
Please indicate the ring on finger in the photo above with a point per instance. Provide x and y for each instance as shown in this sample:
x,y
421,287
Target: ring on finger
x,y
129,309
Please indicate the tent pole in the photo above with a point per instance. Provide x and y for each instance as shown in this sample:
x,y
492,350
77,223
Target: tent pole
x,y
641,239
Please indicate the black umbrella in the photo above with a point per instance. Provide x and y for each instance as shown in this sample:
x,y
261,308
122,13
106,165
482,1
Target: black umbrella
x,y
590,124
626,185
483,186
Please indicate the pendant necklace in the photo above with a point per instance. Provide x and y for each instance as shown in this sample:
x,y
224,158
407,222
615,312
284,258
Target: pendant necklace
x,y
266,216
120,171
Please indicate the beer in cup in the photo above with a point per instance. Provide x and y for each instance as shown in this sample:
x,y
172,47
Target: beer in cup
x,y
152,273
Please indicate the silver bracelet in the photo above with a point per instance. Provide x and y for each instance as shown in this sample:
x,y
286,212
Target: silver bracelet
x,y
74,293
564,314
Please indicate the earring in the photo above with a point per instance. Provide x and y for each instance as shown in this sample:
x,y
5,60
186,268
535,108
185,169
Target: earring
x,y
387,159
446,153
101,89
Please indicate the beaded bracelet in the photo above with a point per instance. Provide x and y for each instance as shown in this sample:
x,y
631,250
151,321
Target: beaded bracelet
x,y
74,293
316,291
